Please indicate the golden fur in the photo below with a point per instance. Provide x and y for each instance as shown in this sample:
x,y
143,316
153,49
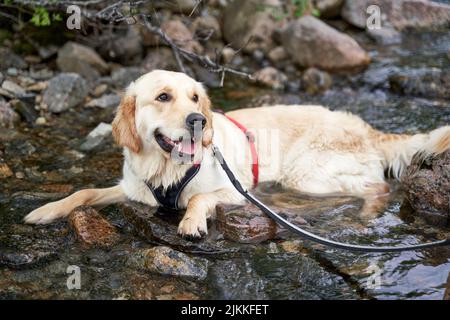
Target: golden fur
x,y
308,148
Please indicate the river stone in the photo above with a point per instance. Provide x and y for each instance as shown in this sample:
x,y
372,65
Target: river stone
x,y
429,83
247,224
65,91
270,77
122,77
97,136
13,88
91,229
5,171
162,229
159,58
329,8
8,117
401,14
166,261
427,188
178,6
312,43
252,19
77,58
105,101
206,27
315,81
9,59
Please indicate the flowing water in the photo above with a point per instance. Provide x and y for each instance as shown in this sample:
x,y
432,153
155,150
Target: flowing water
x,y
34,259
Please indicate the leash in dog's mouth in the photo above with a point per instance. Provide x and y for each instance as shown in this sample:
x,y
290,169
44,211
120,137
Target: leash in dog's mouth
x,y
180,146
308,235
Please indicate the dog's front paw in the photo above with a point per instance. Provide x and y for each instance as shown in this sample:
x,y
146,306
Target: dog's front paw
x,y
45,214
193,227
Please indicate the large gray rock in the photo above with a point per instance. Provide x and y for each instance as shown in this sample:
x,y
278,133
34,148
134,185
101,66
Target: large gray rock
x,y
250,19
65,91
74,57
401,14
312,43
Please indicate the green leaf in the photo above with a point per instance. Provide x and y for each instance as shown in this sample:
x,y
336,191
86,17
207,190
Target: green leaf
x,y
40,17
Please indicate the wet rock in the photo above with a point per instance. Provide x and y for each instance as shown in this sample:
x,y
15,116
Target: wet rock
x,y
312,43
8,117
74,57
13,259
427,188
166,261
91,229
125,49
97,136
328,8
178,6
227,54
122,77
9,59
25,108
277,54
247,224
385,36
13,88
159,58
105,101
162,229
5,171
181,35
378,77
250,19
38,86
65,91
401,14
206,27
270,77
431,83
315,81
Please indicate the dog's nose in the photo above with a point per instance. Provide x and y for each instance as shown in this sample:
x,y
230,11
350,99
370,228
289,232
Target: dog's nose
x,y
193,118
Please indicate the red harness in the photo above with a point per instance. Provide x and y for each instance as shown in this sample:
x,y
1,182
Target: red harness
x,y
251,140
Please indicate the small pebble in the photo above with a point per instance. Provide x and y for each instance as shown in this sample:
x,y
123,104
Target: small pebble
x,y
41,121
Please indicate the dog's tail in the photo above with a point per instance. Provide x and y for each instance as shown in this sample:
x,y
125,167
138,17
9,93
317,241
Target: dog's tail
x,y
399,149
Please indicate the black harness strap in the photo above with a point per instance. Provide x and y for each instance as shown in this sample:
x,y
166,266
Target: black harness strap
x,y
168,199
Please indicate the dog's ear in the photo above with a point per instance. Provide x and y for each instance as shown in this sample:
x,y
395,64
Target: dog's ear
x,y
205,105
124,125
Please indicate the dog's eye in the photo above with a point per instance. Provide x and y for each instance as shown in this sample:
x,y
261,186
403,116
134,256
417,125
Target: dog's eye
x,y
163,97
195,98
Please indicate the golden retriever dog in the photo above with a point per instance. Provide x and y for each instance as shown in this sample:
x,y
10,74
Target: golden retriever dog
x,y
308,148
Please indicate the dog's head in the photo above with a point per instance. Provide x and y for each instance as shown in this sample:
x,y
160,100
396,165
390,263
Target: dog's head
x,y
164,110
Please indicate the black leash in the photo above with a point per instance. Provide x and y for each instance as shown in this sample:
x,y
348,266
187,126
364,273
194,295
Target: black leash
x,y
308,235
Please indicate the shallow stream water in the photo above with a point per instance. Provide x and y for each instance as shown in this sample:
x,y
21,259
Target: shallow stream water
x,y
53,165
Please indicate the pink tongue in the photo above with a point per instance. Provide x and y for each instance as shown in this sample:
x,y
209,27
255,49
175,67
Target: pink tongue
x,y
186,148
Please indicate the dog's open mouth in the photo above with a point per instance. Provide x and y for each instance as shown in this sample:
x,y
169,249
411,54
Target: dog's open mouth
x,y
180,146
